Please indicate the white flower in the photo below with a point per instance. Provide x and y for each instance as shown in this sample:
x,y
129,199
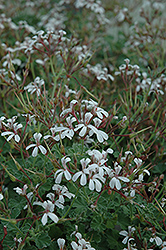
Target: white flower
x,y
62,130
101,135
14,134
128,235
84,126
83,180
37,137
82,243
59,173
157,239
94,183
21,191
138,161
114,182
35,86
61,243
49,208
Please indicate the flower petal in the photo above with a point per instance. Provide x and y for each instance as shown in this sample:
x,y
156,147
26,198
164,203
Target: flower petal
x,y
53,217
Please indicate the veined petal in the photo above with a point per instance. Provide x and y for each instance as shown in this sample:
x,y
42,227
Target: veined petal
x,y
83,180
125,179
67,175
42,149
30,146
118,185
10,137
6,133
123,232
35,152
53,217
83,131
44,219
91,185
59,178
17,138
76,176
98,185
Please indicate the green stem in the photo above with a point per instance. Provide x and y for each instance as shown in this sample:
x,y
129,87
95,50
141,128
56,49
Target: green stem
x,y
70,205
55,77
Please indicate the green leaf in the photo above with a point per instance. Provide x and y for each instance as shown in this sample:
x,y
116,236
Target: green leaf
x,y
97,224
80,205
42,240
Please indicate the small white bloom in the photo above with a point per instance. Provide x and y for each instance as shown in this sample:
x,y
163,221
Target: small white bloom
x,y
35,86
61,243
83,180
49,208
1,197
14,134
37,146
128,235
21,191
59,173
157,239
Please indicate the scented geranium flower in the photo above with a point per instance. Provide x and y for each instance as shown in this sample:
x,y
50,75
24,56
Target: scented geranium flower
x,y
61,243
83,180
35,86
115,178
82,243
21,191
84,125
95,182
62,191
99,159
101,135
93,107
37,146
69,110
49,208
14,134
128,235
157,240
59,173
62,130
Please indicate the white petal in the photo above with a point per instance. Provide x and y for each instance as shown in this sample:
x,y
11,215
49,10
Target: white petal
x,y
42,149
59,178
76,176
17,138
44,219
67,175
1,197
61,243
10,137
6,133
83,180
35,152
123,232
83,131
91,185
118,185
125,179
158,241
53,217
98,185
30,146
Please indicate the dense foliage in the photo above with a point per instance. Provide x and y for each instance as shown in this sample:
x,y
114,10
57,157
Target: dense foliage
x,y
82,124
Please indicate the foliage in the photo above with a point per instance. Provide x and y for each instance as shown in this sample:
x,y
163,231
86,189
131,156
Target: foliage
x,y
82,123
